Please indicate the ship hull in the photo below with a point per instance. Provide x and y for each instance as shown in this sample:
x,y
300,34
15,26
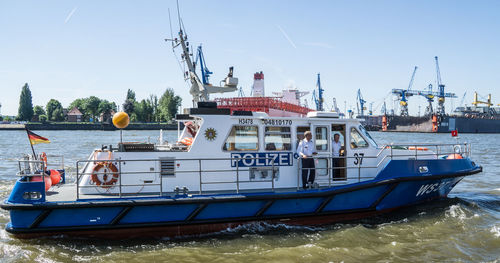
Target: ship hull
x,y
409,123
197,215
469,125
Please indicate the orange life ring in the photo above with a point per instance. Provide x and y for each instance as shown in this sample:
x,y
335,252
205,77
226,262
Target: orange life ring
x,y
187,141
418,148
109,174
43,158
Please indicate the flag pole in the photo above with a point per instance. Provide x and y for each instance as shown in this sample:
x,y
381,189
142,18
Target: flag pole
x,y
27,133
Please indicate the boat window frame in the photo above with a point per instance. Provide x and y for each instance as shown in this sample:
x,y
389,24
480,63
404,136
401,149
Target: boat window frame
x,y
249,150
327,138
361,135
280,133
300,136
367,136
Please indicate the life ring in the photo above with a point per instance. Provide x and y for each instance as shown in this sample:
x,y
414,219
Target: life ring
x,y
418,148
43,158
104,174
187,141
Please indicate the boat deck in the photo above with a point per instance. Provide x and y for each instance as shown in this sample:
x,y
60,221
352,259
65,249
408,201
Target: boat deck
x,y
67,193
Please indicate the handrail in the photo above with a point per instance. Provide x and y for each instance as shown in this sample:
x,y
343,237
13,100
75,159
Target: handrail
x,y
271,169
34,167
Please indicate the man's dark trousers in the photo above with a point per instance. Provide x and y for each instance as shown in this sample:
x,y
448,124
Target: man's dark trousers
x,y
307,164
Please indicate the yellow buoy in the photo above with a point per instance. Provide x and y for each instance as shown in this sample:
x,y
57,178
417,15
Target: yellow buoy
x,y
121,120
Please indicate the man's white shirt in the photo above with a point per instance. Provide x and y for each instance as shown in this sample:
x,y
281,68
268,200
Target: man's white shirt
x,y
336,146
306,147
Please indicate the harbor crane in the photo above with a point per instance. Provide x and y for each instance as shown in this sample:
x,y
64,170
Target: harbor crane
x,y
429,94
441,94
318,99
205,72
403,95
463,99
476,101
360,103
430,99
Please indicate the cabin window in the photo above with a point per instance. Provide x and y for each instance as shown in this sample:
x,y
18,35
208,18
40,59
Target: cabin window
x,y
321,140
278,139
300,134
368,136
357,141
242,138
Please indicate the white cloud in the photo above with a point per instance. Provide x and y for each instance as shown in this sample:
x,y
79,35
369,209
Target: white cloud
x,y
287,37
70,15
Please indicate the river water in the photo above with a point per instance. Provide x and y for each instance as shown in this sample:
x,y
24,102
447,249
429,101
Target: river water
x,y
465,227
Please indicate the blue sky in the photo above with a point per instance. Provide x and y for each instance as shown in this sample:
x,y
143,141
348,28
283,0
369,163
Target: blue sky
x,y
73,49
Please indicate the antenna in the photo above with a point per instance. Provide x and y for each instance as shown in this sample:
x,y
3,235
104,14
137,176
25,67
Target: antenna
x,y
171,31
178,14
200,91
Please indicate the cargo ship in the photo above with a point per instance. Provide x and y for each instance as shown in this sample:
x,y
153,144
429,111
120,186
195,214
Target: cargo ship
x,y
473,119
465,119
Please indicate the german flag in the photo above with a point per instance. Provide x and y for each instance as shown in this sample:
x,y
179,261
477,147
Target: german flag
x,y
35,138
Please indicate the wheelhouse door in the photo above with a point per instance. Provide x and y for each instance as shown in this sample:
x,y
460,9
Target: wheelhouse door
x,y
321,137
339,172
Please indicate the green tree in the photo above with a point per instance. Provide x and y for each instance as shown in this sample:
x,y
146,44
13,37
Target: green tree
x,y
54,110
153,103
38,110
130,95
168,105
105,106
25,112
91,106
129,104
78,103
143,112
42,118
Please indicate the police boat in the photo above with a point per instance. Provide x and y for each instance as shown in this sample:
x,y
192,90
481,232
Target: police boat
x,y
227,169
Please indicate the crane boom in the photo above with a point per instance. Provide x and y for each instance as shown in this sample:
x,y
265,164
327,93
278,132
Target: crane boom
x,y
441,94
412,78
360,104
318,99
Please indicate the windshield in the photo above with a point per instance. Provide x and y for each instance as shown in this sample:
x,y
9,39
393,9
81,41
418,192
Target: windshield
x,y
367,135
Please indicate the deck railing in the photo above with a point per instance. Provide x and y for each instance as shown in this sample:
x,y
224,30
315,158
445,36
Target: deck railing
x,y
201,167
28,166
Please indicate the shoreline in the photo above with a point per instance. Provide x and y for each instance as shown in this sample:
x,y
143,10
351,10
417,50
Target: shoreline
x,y
86,126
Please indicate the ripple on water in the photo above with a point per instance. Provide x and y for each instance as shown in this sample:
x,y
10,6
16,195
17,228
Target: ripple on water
x,y
462,228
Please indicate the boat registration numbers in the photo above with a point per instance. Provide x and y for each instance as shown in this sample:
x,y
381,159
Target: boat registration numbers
x,y
430,188
272,122
261,159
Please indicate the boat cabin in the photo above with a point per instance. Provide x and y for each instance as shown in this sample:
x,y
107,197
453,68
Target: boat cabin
x,y
243,151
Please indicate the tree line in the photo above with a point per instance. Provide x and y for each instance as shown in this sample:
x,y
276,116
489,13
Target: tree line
x,y
151,109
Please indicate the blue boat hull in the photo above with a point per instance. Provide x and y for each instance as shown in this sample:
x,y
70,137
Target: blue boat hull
x,y
194,215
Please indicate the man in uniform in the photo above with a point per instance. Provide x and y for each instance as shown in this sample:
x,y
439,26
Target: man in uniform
x,y
336,147
306,151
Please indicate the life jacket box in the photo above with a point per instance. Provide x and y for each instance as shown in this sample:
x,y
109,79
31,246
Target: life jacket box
x,y
136,147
